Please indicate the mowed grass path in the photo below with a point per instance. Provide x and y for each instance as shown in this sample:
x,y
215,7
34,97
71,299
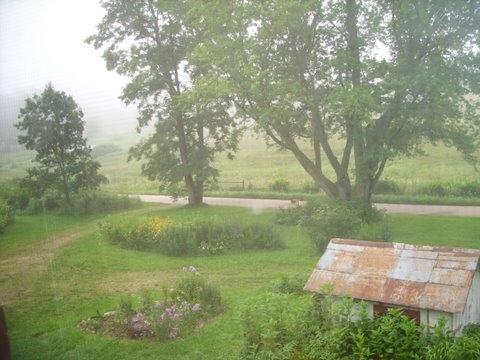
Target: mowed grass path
x,y
87,275
260,165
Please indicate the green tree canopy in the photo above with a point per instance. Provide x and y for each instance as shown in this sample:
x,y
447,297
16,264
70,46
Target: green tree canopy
x,y
52,125
382,77
149,42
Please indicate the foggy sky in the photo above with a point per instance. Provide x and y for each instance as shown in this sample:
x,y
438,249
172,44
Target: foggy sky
x,y
43,41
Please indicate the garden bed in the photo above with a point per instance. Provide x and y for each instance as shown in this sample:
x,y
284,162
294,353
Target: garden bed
x,y
187,306
196,237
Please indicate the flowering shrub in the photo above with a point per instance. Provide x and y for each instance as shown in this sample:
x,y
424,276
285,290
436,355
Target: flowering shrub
x,y
157,225
194,238
181,310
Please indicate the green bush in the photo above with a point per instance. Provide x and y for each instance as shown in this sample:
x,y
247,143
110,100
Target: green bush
x,y
310,188
380,230
387,187
83,203
97,202
276,326
15,196
433,189
451,189
467,189
295,215
290,216
50,201
6,215
280,326
325,219
195,289
280,185
289,284
328,220
194,238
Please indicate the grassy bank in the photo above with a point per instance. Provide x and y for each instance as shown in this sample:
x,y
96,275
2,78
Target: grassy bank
x,y
89,275
259,166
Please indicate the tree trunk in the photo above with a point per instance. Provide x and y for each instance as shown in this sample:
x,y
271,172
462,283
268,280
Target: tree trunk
x,y
344,190
195,197
363,191
194,190
363,181
66,192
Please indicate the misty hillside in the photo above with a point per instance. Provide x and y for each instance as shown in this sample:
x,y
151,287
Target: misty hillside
x,y
105,119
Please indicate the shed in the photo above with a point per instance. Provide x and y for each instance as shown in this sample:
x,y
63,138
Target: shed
x,y
427,282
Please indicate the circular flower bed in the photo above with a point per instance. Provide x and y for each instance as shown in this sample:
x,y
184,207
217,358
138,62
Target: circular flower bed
x,y
192,238
181,310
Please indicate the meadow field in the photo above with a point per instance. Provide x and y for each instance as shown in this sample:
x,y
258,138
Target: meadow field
x,y
67,272
258,166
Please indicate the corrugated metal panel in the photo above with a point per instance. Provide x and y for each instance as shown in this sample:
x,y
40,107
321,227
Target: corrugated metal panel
x,y
424,277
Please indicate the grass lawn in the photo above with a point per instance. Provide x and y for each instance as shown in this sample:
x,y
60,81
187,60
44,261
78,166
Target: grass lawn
x,y
86,275
30,230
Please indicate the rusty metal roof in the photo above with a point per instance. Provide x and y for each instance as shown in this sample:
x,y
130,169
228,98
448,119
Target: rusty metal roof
x,y
422,277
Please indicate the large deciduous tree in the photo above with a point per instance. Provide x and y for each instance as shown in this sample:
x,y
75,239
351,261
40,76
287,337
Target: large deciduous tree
x,y
149,41
380,77
52,125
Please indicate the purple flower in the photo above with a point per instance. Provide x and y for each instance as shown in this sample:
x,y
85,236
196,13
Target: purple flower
x,y
196,307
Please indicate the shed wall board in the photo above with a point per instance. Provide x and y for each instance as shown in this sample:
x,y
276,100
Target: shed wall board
x,y
428,318
471,314
432,317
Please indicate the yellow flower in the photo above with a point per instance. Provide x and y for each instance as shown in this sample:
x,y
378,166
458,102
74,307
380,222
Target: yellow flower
x,y
158,224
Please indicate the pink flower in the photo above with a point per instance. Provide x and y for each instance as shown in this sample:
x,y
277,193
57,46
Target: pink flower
x,y
196,307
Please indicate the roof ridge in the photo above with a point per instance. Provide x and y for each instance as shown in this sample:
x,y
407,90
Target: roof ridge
x,y
404,246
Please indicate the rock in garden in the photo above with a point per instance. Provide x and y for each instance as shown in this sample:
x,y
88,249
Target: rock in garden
x,y
139,326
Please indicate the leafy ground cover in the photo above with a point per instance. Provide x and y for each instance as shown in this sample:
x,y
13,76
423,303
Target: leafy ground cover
x,y
88,274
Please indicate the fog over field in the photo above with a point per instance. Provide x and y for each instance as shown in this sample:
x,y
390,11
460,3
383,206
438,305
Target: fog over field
x,y
43,41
